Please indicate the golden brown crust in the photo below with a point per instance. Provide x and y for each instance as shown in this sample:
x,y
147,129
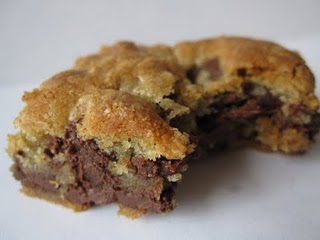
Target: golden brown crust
x,y
151,73
112,117
284,72
130,212
48,107
155,73
148,73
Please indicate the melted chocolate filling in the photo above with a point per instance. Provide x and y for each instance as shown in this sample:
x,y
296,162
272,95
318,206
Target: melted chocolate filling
x,y
96,185
232,115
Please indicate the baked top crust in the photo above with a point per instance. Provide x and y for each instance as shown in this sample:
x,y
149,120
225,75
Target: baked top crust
x,y
229,61
111,116
143,82
150,81
151,72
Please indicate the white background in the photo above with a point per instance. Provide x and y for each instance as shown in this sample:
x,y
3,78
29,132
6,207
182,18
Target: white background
x,y
237,195
41,37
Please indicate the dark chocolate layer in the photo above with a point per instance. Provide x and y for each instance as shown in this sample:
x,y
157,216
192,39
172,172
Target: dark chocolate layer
x,y
233,117
146,187
34,180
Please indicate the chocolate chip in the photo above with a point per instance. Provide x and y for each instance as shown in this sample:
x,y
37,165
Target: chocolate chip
x,y
145,167
21,153
313,126
250,109
116,188
294,71
247,88
163,113
173,96
242,72
269,103
48,153
72,150
192,74
213,67
56,145
225,100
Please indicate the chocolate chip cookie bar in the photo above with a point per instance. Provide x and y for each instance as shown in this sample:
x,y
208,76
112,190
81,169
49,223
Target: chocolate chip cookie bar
x,y
253,92
101,133
122,124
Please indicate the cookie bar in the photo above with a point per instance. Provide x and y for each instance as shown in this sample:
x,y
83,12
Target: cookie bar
x,y
122,124
101,133
253,92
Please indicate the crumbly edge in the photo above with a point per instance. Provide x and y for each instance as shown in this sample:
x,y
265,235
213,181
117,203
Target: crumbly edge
x,y
130,212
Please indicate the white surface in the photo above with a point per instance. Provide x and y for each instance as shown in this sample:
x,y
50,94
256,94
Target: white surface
x,y
237,195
